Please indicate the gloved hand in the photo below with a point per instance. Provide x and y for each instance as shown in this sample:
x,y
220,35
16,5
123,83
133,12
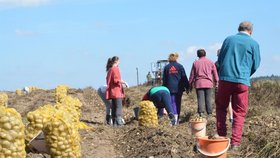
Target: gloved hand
x,y
125,84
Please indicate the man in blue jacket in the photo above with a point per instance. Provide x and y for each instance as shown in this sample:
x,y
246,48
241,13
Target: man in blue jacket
x,y
238,60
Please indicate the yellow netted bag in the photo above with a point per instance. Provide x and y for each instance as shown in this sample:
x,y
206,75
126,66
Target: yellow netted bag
x,y
3,99
33,88
19,92
148,114
74,115
37,119
73,102
12,144
62,137
73,107
61,93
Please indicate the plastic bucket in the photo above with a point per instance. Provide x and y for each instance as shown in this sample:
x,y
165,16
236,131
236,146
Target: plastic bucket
x,y
213,148
198,128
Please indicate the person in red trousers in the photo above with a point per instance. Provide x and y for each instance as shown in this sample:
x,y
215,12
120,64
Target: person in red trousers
x,y
238,60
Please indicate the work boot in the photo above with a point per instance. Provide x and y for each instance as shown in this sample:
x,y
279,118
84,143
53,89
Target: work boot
x,y
109,120
119,121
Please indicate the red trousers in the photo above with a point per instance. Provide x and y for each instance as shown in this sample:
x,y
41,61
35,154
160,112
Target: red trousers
x,y
239,93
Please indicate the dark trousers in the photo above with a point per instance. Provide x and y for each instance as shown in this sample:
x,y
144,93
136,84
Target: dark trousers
x,y
116,107
204,100
162,99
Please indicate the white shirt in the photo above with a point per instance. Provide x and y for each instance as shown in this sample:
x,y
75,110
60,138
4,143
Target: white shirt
x,y
103,88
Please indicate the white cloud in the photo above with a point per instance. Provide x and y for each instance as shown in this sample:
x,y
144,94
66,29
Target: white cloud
x,y
192,50
189,55
211,49
276,58
214,47
21,32
25,3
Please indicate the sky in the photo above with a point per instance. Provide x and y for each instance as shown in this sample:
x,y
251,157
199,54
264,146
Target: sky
x,y
45,43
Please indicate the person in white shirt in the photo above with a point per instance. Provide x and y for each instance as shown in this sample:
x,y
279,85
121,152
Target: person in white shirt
x,y
108,103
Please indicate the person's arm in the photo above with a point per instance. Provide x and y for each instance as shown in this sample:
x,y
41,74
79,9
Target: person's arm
x,y
164,76
145,97
256,59
117,76
108,81
192,75
215,73
185,79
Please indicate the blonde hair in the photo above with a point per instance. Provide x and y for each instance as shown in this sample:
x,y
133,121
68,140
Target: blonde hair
x,y
173,57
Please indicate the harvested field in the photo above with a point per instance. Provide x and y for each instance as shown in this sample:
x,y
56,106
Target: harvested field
x,y
261,136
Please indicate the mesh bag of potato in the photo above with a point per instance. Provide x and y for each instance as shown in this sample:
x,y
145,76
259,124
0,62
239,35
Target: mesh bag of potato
x,y
148,114
37,119
60,93
12,144
63,139
3,99
70,104
19,92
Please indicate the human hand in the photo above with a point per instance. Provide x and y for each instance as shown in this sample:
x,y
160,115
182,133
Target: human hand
x,y
189,90
216,89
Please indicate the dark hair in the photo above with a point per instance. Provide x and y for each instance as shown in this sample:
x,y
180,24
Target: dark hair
x,y
245,26
111,61
201,53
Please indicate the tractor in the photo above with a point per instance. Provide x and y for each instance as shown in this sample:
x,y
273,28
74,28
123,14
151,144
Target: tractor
x,y
157,70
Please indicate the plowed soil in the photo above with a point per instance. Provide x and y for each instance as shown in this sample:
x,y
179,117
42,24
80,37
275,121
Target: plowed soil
x,y
260,138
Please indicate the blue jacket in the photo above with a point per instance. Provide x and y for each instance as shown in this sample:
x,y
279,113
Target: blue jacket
x,y
239,58
175,78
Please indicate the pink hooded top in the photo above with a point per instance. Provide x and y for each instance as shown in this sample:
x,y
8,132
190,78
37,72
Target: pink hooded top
x,y
114,86
202,73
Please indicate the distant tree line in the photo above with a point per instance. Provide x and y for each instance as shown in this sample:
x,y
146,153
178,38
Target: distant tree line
x,y
272,77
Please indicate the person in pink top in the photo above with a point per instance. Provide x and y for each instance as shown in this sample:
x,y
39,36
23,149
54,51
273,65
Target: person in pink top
x,y
115,90
202,74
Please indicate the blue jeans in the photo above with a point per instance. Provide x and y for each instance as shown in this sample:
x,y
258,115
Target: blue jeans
x,y
162,99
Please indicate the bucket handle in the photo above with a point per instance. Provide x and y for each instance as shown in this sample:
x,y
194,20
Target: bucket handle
x,y
215,154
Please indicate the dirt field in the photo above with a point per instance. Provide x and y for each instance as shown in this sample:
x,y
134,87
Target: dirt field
x,y
261,136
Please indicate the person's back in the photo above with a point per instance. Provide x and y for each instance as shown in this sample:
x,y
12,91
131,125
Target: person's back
x,y
175,77
239,58
202,73
204,70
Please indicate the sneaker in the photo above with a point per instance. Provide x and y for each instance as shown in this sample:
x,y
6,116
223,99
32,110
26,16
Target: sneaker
x,y
172,119
119,122
201,114
173,122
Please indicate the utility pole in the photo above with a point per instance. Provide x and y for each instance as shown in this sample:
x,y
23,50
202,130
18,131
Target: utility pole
x,y
137,76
